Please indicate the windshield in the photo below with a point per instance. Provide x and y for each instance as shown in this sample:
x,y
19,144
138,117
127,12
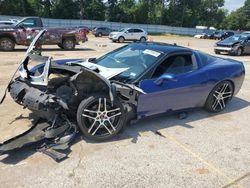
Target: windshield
x,y
236,38
122,30
137,58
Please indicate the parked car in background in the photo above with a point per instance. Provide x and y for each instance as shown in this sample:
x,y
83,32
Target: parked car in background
x,y
246,33
22,33
234,45
205,35
221,35
8,22
200,36
101,31
129,34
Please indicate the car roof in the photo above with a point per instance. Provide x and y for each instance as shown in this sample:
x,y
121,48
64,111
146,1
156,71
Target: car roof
x,y
163,47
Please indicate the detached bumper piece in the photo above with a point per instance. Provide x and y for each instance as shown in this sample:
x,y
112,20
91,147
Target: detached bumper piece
x,y
52,133
50,139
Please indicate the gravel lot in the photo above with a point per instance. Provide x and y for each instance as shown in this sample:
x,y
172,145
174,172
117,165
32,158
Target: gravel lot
x,y
203,150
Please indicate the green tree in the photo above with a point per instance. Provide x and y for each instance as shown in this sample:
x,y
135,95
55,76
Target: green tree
x,y
65,9
18,8
239,19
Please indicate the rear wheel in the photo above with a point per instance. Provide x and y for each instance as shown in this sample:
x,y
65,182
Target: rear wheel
x,y
68,44
99,119
219,97
7,44
143,39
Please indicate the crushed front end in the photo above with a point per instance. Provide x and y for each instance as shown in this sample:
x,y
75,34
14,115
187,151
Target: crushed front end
x,y
65,97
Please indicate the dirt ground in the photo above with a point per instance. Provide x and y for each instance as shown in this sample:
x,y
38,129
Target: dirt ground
x,y
203,150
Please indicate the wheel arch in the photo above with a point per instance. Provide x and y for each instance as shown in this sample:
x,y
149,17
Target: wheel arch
x,y
217,83
68,36
6,35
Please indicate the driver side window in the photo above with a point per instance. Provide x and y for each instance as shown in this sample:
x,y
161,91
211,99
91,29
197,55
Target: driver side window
x,y
29,23
176,64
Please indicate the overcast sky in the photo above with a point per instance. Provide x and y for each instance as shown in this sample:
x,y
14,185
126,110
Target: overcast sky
x,y
233,4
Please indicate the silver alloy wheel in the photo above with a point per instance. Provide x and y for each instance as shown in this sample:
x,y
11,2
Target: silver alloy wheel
x,y
101,116
121,39
221,96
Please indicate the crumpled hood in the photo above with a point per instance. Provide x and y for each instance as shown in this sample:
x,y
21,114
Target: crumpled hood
x,y
227,43
103,71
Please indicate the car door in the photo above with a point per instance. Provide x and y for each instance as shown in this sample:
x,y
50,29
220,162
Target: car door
x,y
129,34
183,89
138,34
27,30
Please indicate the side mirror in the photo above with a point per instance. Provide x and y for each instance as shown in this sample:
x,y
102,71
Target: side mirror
x,y
21,26
126,32
165,77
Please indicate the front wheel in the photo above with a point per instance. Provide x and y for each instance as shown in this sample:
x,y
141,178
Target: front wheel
x,y
121,39
219,96
239,51
99,119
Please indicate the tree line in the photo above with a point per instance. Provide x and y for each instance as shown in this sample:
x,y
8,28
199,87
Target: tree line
x,y
181,13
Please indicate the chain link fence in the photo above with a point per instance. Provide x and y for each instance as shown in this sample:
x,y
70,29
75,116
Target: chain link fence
x,y
113,25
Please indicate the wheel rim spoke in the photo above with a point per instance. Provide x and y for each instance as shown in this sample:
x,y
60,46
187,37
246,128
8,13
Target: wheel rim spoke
x,y
91,127
224,87
97,129
216,102
107,128
115,115
111,124
90,111
113,110
105,105
220,104
223,104
99,104
88,116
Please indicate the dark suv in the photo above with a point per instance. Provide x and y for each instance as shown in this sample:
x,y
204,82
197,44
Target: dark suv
x,y
221,35
101,31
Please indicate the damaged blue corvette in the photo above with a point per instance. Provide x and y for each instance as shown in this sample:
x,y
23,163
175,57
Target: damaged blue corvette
x,y
99,96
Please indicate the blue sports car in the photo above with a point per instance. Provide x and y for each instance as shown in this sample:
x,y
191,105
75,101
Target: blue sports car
x,y
100,95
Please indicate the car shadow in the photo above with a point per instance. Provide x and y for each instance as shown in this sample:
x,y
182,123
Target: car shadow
x,y
56,49
135,129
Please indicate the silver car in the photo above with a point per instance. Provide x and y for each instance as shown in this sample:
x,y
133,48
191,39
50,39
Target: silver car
x,y
129,34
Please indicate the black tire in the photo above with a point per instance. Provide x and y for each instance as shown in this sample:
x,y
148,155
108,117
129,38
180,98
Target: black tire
x,y
239,51
60,46
7,44
97,124
218,98
121,39
143,39
68,44
99,35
